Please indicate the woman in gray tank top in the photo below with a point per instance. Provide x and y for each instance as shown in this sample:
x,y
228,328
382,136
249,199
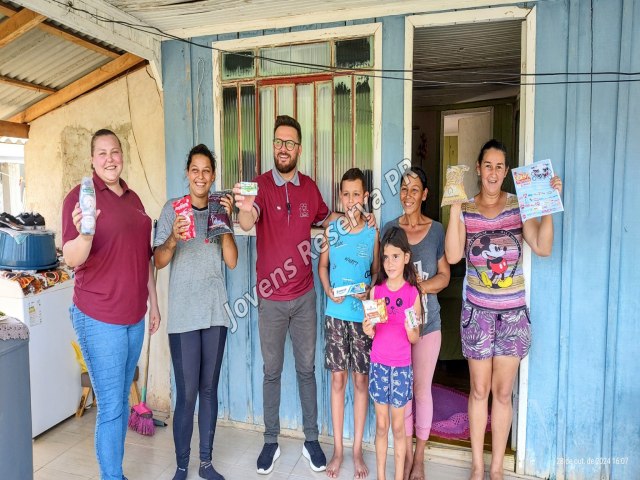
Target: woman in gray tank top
x,y
426,237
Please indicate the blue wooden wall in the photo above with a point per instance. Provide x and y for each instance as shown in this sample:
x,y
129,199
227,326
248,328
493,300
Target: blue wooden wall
x,y
187,73
583,388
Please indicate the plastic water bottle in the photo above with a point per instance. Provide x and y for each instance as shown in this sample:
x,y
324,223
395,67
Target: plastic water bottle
x,y
87,202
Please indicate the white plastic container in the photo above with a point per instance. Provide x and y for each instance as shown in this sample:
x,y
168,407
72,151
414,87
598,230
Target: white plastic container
x,y
87,202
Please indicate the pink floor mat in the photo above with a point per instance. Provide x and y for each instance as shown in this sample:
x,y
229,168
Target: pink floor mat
x,y
450,418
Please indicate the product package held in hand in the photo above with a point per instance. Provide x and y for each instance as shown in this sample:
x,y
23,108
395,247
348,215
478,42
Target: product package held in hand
x,y
412,317
182,206
454,186
218,222
375,310
353,289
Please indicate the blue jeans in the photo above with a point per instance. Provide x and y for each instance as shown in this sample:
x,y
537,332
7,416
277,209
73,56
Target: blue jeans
x,y
111,353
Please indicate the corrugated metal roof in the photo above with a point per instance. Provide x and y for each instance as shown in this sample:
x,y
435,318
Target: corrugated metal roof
x,y
14,100
46,60
481,47
13,141
450,54
183,15
460,54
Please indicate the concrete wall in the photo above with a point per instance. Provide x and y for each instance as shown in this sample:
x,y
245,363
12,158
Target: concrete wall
x,y
57,155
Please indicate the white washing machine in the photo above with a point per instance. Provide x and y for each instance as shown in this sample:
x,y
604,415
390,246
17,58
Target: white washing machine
x,y
55,374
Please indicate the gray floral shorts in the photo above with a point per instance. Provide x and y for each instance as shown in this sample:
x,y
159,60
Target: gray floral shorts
x,y
491,333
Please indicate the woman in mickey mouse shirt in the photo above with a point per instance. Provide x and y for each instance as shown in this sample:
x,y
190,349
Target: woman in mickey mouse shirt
x,y
495,328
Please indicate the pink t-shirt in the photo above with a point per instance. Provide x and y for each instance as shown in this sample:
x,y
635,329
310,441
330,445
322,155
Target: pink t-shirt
x,y
391,346
111,286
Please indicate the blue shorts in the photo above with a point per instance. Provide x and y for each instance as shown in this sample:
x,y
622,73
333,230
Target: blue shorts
x,y
390,385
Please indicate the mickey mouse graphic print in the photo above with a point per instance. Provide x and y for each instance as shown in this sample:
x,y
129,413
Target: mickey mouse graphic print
x,y
493,252
495,319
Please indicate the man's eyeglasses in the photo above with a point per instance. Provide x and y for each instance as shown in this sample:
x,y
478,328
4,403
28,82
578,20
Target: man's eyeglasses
x,y
288,144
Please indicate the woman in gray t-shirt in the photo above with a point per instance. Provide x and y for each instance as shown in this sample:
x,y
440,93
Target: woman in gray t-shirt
x,y
197,323
426,237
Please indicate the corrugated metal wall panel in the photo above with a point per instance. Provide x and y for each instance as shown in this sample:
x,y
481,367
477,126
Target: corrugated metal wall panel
x,y
187,76
583,389
583,418
241,378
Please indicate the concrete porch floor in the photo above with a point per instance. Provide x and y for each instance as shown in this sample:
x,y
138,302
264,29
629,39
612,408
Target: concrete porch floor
x,y
67,452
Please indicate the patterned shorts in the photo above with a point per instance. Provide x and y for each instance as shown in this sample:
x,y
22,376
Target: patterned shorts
x,y
346,346
488,333
390,385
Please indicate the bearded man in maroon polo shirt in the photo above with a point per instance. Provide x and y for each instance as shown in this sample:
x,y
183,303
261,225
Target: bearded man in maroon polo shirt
x,y
287,205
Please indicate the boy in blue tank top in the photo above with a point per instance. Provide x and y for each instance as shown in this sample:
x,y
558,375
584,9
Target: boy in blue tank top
x,y
349,256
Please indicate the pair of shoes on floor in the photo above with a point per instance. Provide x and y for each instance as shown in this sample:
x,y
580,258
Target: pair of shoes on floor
x,y
9,221
310,450
31,221
205,471
24,221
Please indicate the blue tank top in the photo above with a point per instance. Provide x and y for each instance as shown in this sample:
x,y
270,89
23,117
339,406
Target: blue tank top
x,y
350,259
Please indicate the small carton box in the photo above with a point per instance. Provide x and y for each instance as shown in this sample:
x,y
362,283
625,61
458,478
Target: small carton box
x,y
350,289
182,206
248,188
412,317
375,310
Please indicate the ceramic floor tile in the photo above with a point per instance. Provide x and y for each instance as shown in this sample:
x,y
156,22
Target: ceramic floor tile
x,y
53,474
67,452
63,436
77,462
46,451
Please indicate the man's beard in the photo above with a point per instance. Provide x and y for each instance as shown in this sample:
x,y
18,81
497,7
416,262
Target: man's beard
x,y
289,167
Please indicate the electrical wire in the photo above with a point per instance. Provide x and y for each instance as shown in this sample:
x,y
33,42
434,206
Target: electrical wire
x,y
367,72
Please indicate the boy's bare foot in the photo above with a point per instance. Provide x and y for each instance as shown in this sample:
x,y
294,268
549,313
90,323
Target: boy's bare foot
x,y
333,467
477,473
360,468
417,471
496,474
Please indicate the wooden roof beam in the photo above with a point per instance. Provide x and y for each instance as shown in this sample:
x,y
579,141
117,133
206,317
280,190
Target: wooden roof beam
x,y
19,24
70,37
15,130
28,85
79,87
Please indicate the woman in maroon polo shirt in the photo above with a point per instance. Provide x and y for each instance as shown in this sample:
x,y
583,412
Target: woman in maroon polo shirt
x,y
113,281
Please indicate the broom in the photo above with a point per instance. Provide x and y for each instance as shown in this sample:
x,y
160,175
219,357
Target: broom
x,y
141,417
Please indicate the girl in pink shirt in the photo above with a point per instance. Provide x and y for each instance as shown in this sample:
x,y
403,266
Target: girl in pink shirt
x,y
390,373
